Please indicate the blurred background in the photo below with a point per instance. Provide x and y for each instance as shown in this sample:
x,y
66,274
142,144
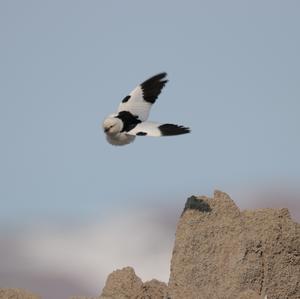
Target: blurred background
x,y
73,207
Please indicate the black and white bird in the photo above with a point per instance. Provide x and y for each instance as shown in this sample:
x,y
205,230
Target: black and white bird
x,y
131,119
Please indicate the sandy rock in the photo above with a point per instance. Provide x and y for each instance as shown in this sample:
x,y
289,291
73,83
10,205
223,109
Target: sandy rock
x,y
221,252
124,284
153,289
16,294
249,294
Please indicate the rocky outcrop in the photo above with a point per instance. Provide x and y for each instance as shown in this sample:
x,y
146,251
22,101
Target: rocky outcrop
x,y
16,294
221,252
123,284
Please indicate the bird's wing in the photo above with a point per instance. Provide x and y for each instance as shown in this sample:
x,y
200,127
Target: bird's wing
x,y
156,129
140,100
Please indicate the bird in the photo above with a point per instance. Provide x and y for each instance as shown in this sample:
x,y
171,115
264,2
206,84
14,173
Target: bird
x,y
131,119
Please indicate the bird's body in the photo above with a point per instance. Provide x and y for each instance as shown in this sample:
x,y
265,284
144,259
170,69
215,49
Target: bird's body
x,y
120,139
130,121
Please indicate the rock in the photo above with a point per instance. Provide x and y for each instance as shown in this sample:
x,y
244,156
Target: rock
x,y
16,294
124,284
249,294
221,252
153,289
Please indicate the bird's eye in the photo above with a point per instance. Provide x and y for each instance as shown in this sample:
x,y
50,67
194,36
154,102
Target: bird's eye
x,y
108,128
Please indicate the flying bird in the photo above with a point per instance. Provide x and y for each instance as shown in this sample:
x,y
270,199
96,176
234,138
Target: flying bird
x,y
131,118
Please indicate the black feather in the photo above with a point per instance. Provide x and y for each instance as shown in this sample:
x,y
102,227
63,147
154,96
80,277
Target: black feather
x,y
141,134
129,120
153,87
126,99
170,130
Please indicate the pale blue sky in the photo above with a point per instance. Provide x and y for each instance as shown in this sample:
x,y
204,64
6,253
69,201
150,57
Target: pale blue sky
x,y
234,71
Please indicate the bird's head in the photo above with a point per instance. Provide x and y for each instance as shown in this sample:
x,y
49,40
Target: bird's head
x,y
112,125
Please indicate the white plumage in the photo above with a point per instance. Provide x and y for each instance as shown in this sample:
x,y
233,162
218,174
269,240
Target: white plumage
x,y
131,119
136,104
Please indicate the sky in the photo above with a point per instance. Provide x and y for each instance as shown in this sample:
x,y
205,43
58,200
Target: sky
x,y
234,71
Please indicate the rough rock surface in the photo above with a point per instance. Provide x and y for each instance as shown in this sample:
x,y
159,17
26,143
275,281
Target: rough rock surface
x,y
153,289
16,294
124,284
249,294
221,252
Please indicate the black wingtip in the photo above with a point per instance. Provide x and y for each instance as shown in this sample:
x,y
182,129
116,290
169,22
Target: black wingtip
x,y
171,130
152,87
159,76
